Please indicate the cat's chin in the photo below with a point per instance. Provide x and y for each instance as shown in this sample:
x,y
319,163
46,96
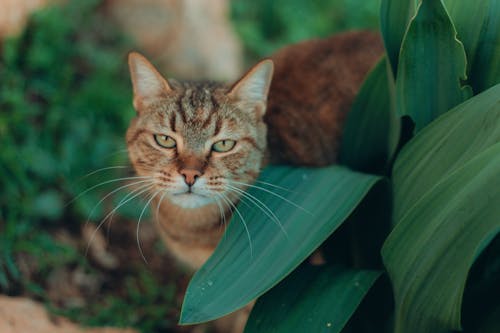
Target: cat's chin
x,y
190,200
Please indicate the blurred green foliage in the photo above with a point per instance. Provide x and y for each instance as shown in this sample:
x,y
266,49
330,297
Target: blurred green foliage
x,y
65,103
266,25
145,305
64,107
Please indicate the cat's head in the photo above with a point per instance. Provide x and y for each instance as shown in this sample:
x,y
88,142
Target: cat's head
x,y
198,142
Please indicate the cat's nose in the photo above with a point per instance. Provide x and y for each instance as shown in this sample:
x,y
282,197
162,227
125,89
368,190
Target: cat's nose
x,y
190,176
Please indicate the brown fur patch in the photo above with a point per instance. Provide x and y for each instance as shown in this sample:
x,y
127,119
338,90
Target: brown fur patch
x,y
312,90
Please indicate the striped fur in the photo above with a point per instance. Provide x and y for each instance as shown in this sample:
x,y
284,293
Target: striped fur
x,y
196,115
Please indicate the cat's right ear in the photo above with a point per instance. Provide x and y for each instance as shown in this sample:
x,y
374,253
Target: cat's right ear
x,y
252,89
147,82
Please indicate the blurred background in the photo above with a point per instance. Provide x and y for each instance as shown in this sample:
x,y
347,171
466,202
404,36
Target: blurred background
x,y
65,104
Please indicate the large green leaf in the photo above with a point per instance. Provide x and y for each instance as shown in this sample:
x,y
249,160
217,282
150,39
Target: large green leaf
x,y
312,299
485,70
478,27
394,18
446,194
432,64
445,145
431,249
239,272
372,128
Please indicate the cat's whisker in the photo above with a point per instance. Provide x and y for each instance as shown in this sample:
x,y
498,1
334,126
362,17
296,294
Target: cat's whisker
x,y
227,200
148,182
114,191
110,215
158,206
241,194
259,204
139,224
238,197
104,183
275,186
275,194
134,194
104,169
222,211
224,206
119,151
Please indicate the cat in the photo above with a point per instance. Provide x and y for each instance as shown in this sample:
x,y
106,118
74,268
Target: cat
x,y
200,143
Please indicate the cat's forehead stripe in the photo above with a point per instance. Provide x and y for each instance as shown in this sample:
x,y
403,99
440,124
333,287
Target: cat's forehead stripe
x,y
218,126
197,104
208,120
172,121
196,100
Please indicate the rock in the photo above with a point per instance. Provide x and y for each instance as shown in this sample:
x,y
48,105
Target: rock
x,y
21,315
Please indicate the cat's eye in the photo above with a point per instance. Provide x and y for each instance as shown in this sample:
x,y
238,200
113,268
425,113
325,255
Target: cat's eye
x,y
165,141
223,145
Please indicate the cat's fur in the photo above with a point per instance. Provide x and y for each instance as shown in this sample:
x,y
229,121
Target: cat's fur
x,y
313,87
312,90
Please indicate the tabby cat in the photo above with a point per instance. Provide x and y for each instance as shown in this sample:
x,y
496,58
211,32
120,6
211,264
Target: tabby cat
x,y
202,143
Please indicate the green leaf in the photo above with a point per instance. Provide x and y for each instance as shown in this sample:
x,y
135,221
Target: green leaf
x,y
446,194
237,272
478,28
372,128
394,18
312,299
445,145
431,65
431,249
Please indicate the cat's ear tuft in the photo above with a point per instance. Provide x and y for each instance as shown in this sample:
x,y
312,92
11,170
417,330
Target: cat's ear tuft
x,y
147,82
253,87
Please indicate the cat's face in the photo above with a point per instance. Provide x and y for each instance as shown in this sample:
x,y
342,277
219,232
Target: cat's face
x,y
198,142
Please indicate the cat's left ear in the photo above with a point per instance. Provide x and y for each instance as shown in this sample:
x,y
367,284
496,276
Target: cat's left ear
x,y
147,82
253,87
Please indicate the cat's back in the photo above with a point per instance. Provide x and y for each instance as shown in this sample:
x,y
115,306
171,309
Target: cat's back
x,y
312,90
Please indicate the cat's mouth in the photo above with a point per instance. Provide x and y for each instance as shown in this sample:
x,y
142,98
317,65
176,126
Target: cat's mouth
x,y
189,194
190,199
